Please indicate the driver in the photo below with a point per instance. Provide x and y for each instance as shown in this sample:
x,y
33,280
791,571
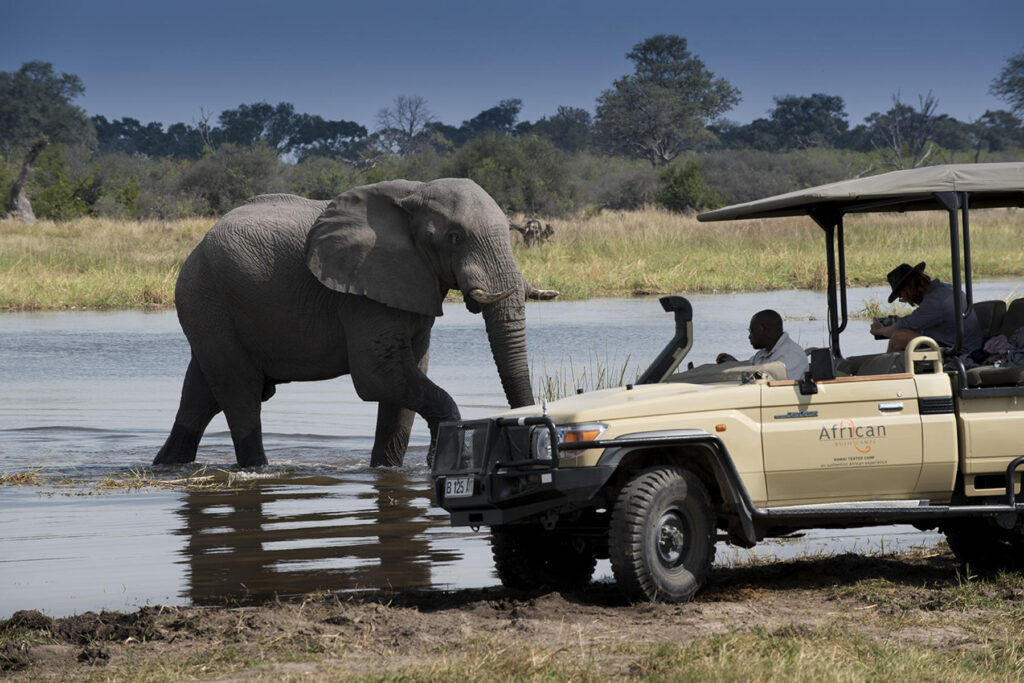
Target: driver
x,y
772,344
934,315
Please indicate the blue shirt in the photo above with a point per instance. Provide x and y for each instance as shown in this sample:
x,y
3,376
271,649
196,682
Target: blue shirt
x,y
934,318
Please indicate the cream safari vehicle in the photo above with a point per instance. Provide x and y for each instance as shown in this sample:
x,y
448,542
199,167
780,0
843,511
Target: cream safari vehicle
x,y
652,474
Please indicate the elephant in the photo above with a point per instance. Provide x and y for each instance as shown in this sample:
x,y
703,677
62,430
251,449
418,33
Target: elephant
x,y
284,289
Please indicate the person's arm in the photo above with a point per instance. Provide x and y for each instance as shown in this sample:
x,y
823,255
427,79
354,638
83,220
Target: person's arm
x,y
880,330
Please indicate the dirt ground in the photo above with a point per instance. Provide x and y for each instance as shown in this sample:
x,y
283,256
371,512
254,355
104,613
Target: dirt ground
x,y
426,633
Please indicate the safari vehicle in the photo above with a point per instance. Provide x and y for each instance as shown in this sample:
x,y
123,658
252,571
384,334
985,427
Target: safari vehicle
x,y
650,475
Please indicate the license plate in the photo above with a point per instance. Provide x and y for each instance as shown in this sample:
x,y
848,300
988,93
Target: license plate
x,y
458,487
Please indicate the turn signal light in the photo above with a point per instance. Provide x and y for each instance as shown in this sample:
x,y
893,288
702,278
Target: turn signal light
x,y
589,433
719,428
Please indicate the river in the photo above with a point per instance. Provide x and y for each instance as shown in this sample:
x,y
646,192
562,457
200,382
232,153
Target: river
x,y
89,395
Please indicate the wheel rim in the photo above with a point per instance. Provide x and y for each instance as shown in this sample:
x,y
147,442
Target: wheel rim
x,y
670,539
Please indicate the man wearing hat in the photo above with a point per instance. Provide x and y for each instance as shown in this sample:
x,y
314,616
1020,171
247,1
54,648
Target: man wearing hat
x,y
934,315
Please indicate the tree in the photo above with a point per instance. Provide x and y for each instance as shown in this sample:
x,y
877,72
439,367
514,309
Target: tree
x,y
403,127
760,134
260,122
128,136
996,131
1009,84
815,121
500,119
570,129
904,136
313,135
35,111
665,105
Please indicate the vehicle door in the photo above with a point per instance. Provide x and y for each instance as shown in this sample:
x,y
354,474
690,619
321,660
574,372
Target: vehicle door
x,y
856,438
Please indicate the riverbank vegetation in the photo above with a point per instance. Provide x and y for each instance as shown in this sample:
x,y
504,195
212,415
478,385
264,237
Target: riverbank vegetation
x,y
659,135
912,616
94,263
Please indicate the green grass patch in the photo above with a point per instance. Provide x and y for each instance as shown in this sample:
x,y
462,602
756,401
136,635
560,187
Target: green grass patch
x,y
108,264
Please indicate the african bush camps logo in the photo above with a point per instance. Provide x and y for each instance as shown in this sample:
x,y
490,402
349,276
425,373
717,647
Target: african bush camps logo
x,y
845,432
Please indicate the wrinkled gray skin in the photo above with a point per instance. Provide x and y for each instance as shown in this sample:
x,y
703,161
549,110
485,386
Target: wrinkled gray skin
x,y
287,289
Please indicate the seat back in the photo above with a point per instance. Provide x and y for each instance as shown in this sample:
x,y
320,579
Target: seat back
x,y
990,316
1014,318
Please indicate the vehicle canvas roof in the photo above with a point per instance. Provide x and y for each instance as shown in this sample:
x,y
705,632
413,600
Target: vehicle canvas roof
x,y
989,185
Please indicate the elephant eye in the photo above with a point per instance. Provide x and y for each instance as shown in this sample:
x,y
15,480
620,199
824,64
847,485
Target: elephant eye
x,y
455,238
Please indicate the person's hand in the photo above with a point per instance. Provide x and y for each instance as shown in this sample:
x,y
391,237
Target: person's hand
x,y
724,358
880,330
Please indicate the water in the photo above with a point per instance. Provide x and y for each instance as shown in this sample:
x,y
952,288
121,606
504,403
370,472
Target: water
x,y
87,395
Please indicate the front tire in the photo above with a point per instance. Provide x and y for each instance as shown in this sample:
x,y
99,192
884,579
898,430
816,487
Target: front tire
x,y
527,557
662,537
982,546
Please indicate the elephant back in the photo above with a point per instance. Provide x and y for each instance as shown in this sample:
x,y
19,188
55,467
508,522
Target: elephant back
x,y
255,243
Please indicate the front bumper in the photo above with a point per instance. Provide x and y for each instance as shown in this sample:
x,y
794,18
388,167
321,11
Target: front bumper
x,y
506,483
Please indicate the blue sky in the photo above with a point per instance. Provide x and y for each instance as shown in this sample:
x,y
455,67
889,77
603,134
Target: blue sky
x,y
170,61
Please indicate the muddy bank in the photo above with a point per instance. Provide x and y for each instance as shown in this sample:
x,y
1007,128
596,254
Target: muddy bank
x,y
921,603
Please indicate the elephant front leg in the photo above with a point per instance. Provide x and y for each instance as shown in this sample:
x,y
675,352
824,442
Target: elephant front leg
x,y
394,424
396,378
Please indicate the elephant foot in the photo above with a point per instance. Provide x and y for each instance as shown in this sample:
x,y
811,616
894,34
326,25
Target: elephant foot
x,y
249,450
180,447
387,459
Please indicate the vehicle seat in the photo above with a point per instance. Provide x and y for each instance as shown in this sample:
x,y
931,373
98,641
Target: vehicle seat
x,y
991,376
1013,319
990,316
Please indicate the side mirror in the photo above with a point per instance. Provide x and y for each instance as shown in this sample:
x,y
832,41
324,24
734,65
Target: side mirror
x,y
822,368
822,365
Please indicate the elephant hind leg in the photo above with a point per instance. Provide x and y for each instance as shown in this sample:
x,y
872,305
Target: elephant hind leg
x,y
198,406
240,393
238,387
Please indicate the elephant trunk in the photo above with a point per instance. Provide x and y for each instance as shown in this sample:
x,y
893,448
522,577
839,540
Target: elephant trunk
x,y
506,330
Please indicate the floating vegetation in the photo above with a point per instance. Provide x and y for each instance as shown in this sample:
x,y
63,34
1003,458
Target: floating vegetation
x,y
135,478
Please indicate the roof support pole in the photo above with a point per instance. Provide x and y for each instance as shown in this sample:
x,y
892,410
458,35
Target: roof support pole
x,y
831,222
953,201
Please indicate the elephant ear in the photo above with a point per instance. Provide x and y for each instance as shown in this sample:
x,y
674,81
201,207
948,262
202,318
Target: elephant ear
x,y
363,243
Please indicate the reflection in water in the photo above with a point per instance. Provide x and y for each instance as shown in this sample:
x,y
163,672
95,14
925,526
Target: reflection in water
x,y
363,531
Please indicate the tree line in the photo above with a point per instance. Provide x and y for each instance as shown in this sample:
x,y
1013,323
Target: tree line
x,y
658,134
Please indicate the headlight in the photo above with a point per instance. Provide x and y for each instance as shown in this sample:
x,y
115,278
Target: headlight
x,y
566,434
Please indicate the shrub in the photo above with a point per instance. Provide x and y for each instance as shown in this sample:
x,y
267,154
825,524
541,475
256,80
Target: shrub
x,y
321,178
525,175
56,192
227,176
745,175
683,187
612,182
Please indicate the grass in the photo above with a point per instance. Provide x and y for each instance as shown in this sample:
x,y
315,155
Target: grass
x,y
921,625
656,252
93,263
596,374
105,264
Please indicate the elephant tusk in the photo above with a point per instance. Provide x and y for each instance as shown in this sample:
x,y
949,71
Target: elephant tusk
x,y
541,294
485,298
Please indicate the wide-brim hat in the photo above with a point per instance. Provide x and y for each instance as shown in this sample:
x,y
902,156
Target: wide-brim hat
x,y
899,275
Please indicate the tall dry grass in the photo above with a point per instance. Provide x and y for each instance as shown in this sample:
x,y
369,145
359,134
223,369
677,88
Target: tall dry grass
x,y
653,251
93,263
96,263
